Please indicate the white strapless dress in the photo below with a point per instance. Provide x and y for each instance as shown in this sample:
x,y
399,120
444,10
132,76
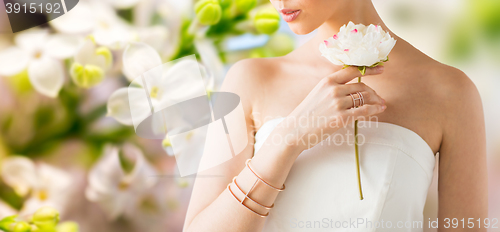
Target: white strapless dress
x,y
322,191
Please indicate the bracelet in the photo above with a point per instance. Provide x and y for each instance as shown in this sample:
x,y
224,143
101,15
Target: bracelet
x,y
246,194
235,197
262,180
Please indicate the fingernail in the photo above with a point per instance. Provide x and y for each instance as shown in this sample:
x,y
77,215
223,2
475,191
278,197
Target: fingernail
x,y
383,107
383,101
380,68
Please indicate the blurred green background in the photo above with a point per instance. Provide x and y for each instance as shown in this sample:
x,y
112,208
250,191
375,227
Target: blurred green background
x,y
61,122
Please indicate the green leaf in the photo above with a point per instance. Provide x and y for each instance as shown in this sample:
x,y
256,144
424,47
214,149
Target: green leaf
x,y
362,70
375,65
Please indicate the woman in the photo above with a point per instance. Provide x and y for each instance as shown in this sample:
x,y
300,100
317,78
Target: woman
x,y
423,107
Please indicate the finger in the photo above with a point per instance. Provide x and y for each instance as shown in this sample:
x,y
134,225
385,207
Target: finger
x,y
368,99
344,90
345,75
366,110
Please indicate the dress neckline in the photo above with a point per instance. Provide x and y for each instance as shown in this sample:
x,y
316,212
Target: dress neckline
x,y
387,124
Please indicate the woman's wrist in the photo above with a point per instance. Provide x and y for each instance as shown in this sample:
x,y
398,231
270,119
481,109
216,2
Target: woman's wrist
x,y
289,138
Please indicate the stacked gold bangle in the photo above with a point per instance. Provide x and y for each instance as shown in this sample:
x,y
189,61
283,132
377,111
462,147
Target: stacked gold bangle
x,y
248,193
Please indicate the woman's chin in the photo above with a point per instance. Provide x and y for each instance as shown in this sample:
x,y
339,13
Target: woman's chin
x,y
300,29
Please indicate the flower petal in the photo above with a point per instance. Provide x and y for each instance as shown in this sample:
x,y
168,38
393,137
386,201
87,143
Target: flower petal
x,y
210,57
113,189
115,37
185,8
123,4
13,60
53,188
55,180
104,178
173,21
46,76
32,40
19,173
86,52
6,210
79,20
180,82
385,48
155,36
143,175
139,58
119,105
61,46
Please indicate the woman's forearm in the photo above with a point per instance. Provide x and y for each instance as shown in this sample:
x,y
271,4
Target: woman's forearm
x,y
272,163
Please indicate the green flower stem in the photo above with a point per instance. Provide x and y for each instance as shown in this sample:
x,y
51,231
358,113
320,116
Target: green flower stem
x,y
357,153
193,27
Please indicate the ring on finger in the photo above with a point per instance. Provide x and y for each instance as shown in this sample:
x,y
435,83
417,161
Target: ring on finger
x,y
362,99
359,98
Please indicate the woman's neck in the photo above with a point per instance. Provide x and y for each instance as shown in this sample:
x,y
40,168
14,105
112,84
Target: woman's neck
x,y
357,11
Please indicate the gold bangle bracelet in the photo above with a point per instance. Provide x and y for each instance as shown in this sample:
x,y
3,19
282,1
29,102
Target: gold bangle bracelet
x,y
260,178
248,197
253,211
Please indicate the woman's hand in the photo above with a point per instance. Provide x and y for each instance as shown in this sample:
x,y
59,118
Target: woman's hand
x,y
329,107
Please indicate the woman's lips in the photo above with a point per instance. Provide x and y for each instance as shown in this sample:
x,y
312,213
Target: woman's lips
x,y
289,14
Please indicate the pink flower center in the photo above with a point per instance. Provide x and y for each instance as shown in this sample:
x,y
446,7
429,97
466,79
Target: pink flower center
x,y
355,31
326,43
335,37
346,50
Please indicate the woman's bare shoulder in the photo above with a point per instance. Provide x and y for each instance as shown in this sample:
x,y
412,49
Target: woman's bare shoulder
x,y
247,76
450,83
253,70
453,93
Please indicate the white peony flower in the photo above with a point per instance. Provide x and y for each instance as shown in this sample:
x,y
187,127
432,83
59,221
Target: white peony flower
x,y
358,45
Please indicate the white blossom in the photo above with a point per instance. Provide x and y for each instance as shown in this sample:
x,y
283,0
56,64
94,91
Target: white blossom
x,y
113,188
164,88
43,184
358,45
41,54
90,64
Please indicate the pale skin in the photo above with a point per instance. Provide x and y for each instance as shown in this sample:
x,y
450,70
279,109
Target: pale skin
x,y
438,102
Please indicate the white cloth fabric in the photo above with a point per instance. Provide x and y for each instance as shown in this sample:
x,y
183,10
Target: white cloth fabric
x,y
322,188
